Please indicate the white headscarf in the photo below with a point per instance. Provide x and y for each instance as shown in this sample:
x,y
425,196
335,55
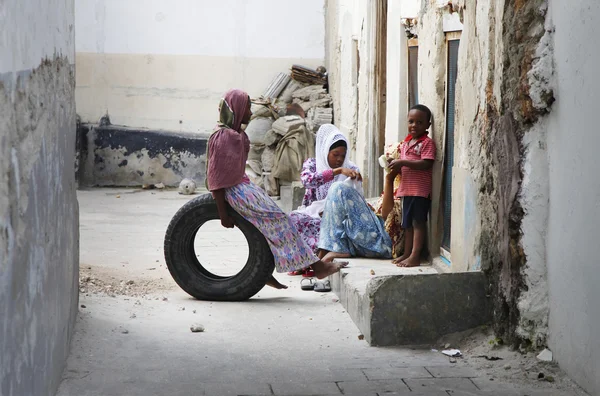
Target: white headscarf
x,y
327,135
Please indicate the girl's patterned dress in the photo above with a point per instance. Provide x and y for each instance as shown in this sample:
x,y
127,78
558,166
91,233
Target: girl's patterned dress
x,y
309,227
289,250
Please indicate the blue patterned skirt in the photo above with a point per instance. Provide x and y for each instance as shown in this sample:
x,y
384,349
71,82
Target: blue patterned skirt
x,y
350,226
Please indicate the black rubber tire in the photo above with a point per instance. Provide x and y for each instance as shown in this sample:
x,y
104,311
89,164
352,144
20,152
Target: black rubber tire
x,y
196,280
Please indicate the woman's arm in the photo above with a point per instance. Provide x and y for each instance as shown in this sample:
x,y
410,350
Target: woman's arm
x,y
311,178
388,194
226,220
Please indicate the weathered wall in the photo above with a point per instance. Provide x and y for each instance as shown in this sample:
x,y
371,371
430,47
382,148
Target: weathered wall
x,y
347,59
38,207
500,170
573,142
118,156
432,78
164,65
397,69
353,67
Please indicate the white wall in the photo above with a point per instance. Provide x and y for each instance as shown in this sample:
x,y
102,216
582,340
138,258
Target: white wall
x,y
39,253
573,141
154,63
397,68
22,49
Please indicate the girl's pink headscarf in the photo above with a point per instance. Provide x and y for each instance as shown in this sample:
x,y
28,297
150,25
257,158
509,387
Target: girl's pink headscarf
x,y
228,146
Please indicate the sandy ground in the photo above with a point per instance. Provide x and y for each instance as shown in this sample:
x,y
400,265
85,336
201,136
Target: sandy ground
x,y
133,333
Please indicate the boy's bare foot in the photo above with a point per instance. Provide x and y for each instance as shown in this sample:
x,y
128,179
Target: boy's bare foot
x,y
410,262
400,259
323,270
330,256
275,283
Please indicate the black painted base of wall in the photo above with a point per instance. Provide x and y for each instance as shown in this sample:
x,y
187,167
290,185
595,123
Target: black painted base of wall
x,y
110,155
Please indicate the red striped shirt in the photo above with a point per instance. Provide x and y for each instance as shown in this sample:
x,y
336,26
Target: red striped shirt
x,y
416,183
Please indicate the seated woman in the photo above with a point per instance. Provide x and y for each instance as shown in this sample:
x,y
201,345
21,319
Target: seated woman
x,y
228,149
318,175
348,227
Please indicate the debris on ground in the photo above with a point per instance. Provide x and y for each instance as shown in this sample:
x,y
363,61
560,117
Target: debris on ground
x,y
309,76
452,352
83,306
490,358
545,355
197,328
102,281
283,125
524,365
361,337
372,272
160,186
132,316
187,187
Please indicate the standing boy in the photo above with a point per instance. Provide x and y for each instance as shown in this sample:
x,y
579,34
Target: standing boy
x,y
417,154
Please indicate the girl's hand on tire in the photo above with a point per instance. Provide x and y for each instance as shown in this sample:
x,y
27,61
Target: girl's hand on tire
x,y
227,222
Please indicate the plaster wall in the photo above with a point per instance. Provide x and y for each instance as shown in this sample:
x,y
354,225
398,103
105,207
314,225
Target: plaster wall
x,y
397,69
500,173
352,66
574,200
165,65
38,207
348,69
432,91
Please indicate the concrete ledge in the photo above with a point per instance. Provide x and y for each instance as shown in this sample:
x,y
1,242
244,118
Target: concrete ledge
x,y
112,155
404,306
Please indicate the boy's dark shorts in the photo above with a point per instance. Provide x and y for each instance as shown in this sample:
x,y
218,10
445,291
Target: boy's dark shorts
x,y
414,209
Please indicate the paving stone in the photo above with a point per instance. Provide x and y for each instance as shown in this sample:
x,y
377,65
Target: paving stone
x,y
367,363
408,393
337,375
510,389
421,360
305,389
359,387
485,384
481,393
444,384
452,372
236,388
397,373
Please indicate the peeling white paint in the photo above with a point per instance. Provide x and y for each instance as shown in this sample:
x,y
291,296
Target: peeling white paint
x,y
541,75
535,189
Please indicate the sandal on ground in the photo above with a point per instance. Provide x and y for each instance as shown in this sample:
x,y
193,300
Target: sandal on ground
x,y
307,284
322,286
296,273
309,273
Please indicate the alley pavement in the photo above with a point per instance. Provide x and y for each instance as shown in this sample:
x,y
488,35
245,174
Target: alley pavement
x,y
133,334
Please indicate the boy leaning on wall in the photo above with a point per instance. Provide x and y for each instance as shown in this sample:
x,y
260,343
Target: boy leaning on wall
x,y
417,154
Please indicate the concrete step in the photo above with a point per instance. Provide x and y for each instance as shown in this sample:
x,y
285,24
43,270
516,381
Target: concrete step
x,y
409,306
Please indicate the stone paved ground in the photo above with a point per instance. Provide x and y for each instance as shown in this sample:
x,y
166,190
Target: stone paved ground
x,y
133,333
